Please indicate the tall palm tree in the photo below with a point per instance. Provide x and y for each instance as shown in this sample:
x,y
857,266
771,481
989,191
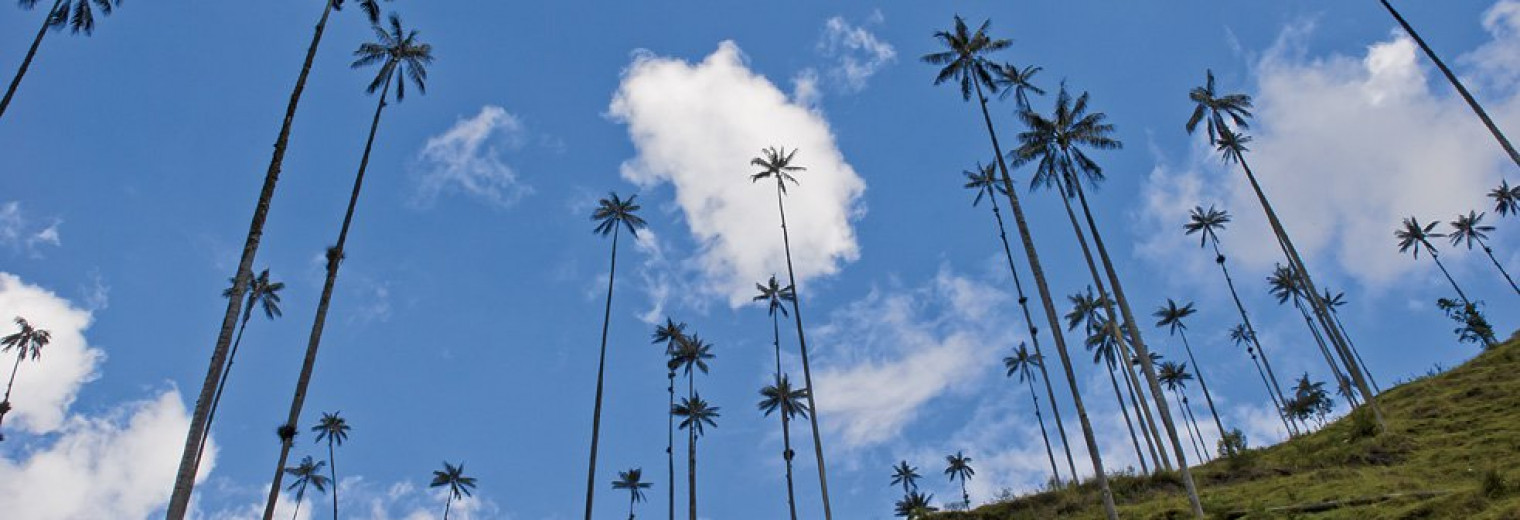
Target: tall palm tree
x,y
309,472
1506,198
398,52
332,428
965,61
1023,364
1310,400
1468,229
1243,337
905,476
1413,237
790,401
1287,286
671,334
262,293
1058,145
914,505
611,215
459,485
695,414
77,14
958,466
1171,316
985,181
1105,349
1175,376
1213,108
1334,302
1085,309
28,339
184,479
776,163
631,480
775,297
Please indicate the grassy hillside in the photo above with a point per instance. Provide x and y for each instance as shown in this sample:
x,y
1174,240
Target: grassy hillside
x,y
1452,450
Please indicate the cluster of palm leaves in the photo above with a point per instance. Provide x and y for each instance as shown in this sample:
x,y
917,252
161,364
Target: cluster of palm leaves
x,y
308,473
1414,237
916,504
28,340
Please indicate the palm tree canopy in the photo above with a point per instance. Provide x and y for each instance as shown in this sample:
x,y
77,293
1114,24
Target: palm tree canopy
x,y
776,163
78,15
905,475
1213,108
1085,309
914,505
965,57
1171,315
1231,145
781,396
29,338
1208,223
1240,334
984,180
775,295
1023,363
371,9
1284,284
396,49
613,210
1102,342
695,414
308,472
958,467
1057,143
1469,228
690,352
1412,235
1017,82
631,480
262,293
1174,375
332,425
1506,198
671,333
452,476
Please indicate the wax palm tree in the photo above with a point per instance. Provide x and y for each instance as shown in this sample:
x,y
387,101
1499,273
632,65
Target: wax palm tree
x,y
1212,108
1468,229
985,181
695,414
671,334
1101,340
631,480
28,339
792,404
184,479
958,466
1059,145
1413,237
309,472
1287,286
775,297
1175,376
1334,301
1085,312
78,15
1023,364
1171,316
332,428
1016,82
1312,399
914,505
906,476
1243,337
965,60
459,485
398,52
776,163
1506,198
264,294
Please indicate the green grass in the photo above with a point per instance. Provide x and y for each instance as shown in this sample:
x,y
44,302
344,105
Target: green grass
x,y
1452,450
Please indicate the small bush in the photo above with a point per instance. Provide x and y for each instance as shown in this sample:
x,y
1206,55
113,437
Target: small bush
x,y
1493,484
1231,443
1363,424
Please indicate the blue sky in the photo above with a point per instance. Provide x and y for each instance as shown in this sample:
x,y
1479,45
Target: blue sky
x,y
467,315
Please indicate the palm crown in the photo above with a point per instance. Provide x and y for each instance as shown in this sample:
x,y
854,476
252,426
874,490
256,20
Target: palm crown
x,y
1017,82
29,338
1469,228
1412,235
1231,144
965,60
781,396
1284,284
309,471
776,163
1022,362
905,475
1171,315
262,293
984,179
959,466
1102,341
691,352
397,49
1084,308
77,14
1213,108
631,480
1241,335
671,334
774,295
371,9
1057,142
332,425
1173,374
452,476
1208,223
695,414
1506,198
613,210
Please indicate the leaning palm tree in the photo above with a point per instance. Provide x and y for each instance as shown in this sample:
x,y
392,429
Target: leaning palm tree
x,y
262,293
905,476
77,14
1174,376
184,479
695,414
1105,349
1243,337
791,402
611,215
631,480
1413,237
28,339
459,485
671,334
1171,316
776,163
1334,301
914,505
985,181
1212,108
309,472
1287,286
398,52
332,428
959,467
1085,312
775,296
1506,198
1023,364
1468,229
965,61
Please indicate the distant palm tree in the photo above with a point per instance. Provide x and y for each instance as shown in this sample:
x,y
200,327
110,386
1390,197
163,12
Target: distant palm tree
x,y
959,467
791,402
1023,364
1085,312
694,414
1212,108
775,297
965,60
184,479
1016,82
1105,348
398,52
671,334
1175,376
332,428
1469,228
307,473
77,14
1506,198
1287,286
914,506
1310,400
1334,301
611,215
1413,237
1242,336
776,163
985,181
631,481
263,293
906,476
28,339
1171,316
459,485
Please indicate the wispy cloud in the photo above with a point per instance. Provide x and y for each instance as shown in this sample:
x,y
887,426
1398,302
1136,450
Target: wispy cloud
x,y
855,53
466,159
22,234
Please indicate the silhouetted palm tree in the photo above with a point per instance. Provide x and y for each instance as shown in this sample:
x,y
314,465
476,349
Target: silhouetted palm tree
x,y
1243,337
332,428
1171,316
694,414
791,402
905,476
775,297
1016,82
631,481
264,294
914,505
1506,198
1105,349
1334,302
1085,312
959,467
1022,363
776,163
309,472
671,334
459,485
1310,400
1287,286
1413,236
1175,376
1468,229
77,14
28,339
965,61
1212,108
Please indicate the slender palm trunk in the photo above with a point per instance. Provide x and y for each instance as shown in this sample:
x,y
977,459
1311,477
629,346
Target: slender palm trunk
x,y
1273,388
1453,281
1124,410
964,495
446,503
601,369
691,469
1272,396
27,62
334,261
670,443
1055,474
1144,353
21,354
786,430
1466,96
807,371
1034,337
1355,352
299,495
1130,386
1050,315
332,467
630,506
1490,252
226,374
184,480
1200,447
1209,399
1340,377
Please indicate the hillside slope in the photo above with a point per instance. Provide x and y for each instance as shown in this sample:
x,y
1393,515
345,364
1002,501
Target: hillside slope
x,y
1452,450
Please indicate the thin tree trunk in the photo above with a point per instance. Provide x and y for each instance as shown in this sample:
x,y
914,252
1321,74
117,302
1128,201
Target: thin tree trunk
x,y
1271,395
1466,96
1144,355
226,374
630,504
446,503
1034,337
1272,387
1056,475
670,443
1201,383
786,439
184,480
335,258
1340,378
601,368
21,354
1355,352
1124,410
1490,252
27,62
332,467
299,495
1131,386
1050,315
1453,281
964,495
807,372
691,468
1202,446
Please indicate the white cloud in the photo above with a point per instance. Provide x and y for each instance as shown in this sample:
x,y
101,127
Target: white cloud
x,y
466,159
697,126
44,388
805,89
20,234
856,53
